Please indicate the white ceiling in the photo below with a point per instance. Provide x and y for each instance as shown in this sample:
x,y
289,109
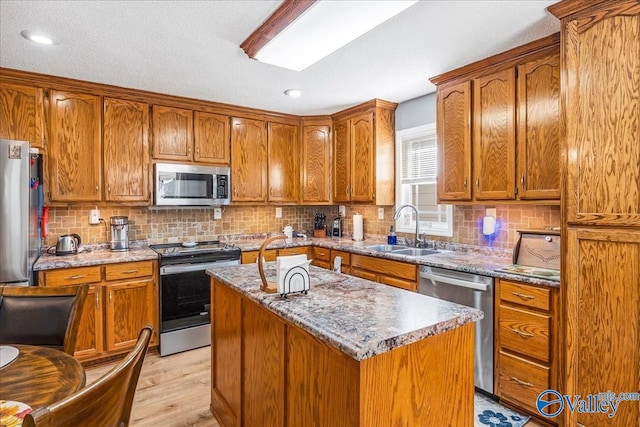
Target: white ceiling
x,y
191,48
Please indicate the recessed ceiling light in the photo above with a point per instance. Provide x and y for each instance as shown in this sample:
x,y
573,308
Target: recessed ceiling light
x,y
294,93
37,37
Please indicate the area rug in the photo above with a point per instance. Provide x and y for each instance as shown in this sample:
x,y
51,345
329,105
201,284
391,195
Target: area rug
x,y
491,414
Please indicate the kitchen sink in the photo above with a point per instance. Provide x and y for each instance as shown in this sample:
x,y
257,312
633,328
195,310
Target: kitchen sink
x,y
415,252
386,248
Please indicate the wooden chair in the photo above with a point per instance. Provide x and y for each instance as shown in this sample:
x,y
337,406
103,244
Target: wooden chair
x,y
106,402
36,315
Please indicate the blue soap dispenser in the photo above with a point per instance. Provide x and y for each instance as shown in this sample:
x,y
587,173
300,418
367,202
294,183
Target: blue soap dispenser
x,y
392,239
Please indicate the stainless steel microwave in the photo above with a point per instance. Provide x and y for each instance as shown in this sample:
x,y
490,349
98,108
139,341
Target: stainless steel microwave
x,y
186,185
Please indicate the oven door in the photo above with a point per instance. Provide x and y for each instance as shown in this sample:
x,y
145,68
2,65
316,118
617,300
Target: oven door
x,y
185,295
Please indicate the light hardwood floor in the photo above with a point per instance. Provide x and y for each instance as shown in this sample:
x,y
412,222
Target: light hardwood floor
x,y
174,391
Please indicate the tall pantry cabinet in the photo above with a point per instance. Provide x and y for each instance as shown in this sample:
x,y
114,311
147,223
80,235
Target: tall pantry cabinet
x,y
600,48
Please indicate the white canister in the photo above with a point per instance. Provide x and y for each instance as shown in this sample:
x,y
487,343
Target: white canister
x,y
288,231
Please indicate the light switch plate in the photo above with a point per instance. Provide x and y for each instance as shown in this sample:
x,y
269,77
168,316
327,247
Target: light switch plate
x,y
217,213
278,212
380,213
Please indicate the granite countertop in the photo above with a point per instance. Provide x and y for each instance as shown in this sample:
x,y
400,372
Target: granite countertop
x,y
483,261
93,255
359,317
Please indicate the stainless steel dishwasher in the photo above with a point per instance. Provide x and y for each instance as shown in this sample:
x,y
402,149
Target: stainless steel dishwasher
x,y
473,291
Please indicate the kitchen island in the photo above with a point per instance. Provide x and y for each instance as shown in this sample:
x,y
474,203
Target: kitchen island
x,y
351,352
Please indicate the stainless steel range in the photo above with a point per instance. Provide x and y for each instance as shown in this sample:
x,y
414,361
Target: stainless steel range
x,y
185,294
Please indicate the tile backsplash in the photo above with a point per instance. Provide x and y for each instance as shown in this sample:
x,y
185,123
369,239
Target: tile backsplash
x,y
177,225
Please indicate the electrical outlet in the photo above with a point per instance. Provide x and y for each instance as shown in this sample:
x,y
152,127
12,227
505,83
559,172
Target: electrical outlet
x,y
380,213
491,212
217,213
94,216
278,212
342,211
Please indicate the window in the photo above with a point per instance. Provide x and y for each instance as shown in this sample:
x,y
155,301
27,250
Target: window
x,y
416,182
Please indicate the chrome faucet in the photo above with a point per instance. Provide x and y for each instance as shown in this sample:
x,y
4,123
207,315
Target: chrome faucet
x,y
396,215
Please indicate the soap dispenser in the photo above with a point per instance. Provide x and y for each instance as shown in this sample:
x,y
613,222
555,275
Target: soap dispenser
x,y
392,239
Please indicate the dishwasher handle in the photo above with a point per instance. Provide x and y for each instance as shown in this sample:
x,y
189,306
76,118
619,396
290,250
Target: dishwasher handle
x,y
455,282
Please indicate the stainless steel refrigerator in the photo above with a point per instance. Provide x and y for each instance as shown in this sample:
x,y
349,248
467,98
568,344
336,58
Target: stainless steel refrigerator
x,y
21,200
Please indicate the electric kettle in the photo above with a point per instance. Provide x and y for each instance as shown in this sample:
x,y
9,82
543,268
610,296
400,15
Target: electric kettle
x,y
68,244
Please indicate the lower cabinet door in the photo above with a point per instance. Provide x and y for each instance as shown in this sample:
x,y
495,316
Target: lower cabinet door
x,y
129,307
90,334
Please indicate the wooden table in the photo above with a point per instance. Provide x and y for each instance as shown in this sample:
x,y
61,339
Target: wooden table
x,y
40,376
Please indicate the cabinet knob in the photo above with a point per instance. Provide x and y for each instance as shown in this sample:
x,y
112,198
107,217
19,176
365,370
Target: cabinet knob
x,y
522,181
522,296
464,184
109,189
478,183
97,301
96,188
74,277
523,334
522,383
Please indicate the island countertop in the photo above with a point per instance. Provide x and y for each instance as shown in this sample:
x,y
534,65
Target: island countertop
x,y
359,317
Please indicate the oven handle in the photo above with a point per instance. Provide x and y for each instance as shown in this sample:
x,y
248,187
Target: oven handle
x,y
455,282
184,268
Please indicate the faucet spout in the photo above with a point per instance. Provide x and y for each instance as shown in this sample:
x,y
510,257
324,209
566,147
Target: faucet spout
x,y
396,215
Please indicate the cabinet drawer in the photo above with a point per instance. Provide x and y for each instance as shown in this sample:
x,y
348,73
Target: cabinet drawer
x,y
530,296
525,332
128,270
321,254
251,257
72,276
300,250
364,274
521,381
387,267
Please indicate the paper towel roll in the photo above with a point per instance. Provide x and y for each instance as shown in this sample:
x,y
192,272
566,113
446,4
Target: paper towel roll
x,y
358,229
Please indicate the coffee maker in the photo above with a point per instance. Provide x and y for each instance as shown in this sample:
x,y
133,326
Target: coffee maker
x,y
336,229
119,233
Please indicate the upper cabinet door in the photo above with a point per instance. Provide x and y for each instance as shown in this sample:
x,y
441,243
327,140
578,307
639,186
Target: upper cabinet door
x,y
283,162
75,147
249,160
539,128
126,151
494,135
172,133
363,159
21,110
211,138
316,164
603,117
454,142
342,161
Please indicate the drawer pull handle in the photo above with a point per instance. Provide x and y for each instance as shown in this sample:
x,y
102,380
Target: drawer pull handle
x,y
74,277
129,271
523,296
522,383
522,333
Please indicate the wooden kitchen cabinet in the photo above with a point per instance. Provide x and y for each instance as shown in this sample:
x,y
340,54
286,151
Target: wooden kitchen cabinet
x,y
454,141
395,273
494,135
321,257
172,133
21,113
283,162
499,127
249,160
126,151
75,147
211,138
250,257
600,72
316,163
364,159
527,357
122,299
